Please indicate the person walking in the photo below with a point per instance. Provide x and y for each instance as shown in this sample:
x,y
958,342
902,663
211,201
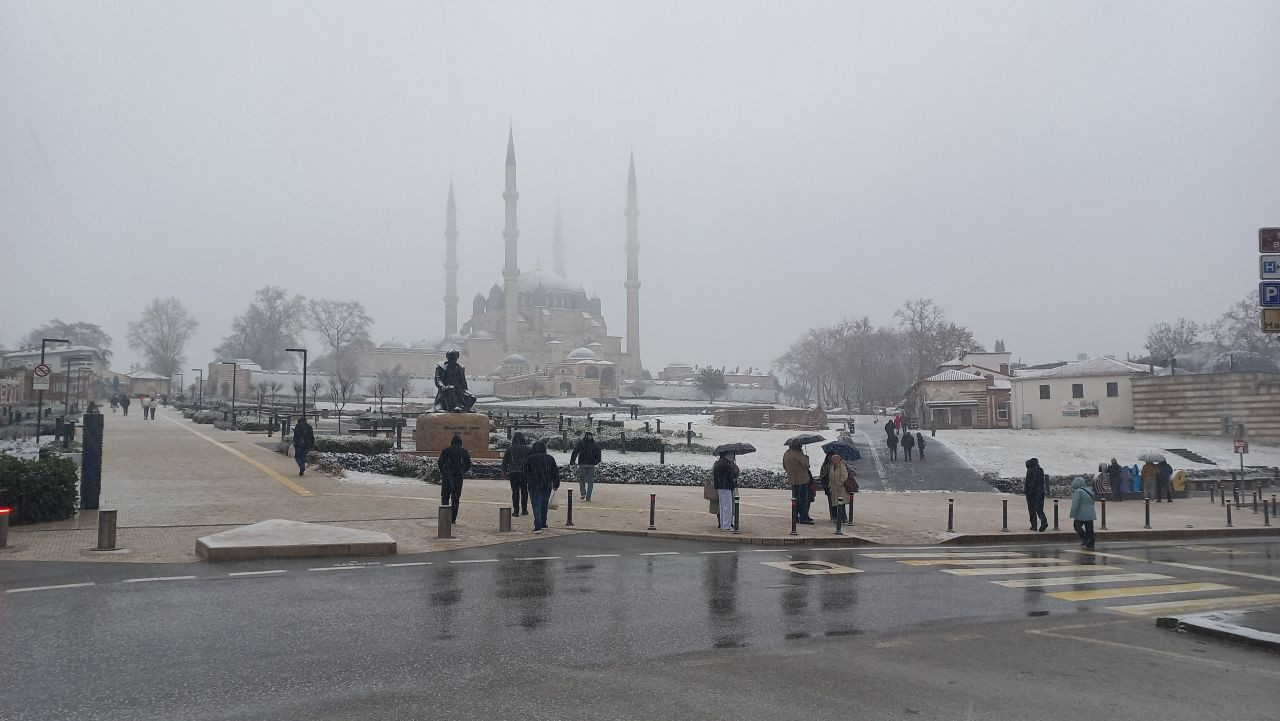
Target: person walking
x,y
908,443
154,402
304,438
1082,499
1149,474
1034,489
724,476
1116,478
796,465
1164,481
454,463
920,444
513,470
145,403
124,404
115,402
543,476
586,454
888,427
837,487
892,442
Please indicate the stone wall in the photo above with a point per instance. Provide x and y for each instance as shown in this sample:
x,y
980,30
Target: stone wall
x,y
787,418
1194,404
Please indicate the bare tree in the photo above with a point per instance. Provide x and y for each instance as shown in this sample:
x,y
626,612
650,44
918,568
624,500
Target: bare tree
x,y
340,323
379,389
342,386
275,386
1240,328
272,323
79,333
298,390
931,339
161,335
1166,341
261,390
316,385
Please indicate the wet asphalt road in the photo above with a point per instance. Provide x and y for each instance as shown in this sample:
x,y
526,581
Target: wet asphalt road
x,y
604,631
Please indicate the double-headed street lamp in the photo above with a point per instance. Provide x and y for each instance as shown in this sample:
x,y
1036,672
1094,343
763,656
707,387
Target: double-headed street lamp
x,y
40,394
234,368
66,395
200,398
303,351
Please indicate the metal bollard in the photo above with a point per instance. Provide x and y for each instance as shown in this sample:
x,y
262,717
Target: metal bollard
x,y
1228,515
1212,498
560,427
1147,522
737,516
568,520
4,526
659,422
662,452
1004,503
1266,513
504,520
688,433
794,532
646,426
399,436
838,531
653,506
1256,493
444,526
106,530
622,439
1055,514
951,515
1104,513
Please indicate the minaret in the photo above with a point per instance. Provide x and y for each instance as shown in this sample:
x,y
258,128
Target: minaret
x,y
633,272
557,246
510,272
451,267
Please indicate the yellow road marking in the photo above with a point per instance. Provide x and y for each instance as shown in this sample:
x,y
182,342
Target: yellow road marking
x,y
269,471
1129,591
1073,580
1190,566
1203,604
980,561
1033,569
988,554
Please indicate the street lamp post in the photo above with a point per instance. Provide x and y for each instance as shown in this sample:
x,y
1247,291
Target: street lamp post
x,y
181,378
234,367
200,398
303,351
66,393
40,393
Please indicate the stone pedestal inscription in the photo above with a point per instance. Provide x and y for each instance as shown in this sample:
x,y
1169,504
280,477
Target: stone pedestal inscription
x,y
434,431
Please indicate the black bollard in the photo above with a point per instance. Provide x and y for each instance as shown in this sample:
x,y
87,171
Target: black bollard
x,y
614,417
688,433
1212,498
838,531
1147,511
653,505
1004,506
793,518
1266,513
568,520
561,426
91,461
646,426
622,437
538,415
951,515
1104,514
737,515
1055,514
662,453
1228,515
444,526
659,422
399,436
1256,493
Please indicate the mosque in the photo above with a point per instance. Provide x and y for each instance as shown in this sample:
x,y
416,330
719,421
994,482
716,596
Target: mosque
x,y
536,333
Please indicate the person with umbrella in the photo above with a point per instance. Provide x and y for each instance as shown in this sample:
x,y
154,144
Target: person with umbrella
x,y
1149,474
837,476
1164,481
796,465
724,476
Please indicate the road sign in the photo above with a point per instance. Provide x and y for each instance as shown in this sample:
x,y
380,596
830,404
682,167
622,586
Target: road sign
x,y
1269,267
1271,320
43,370
40,381
1241,446
1269,294
1269,240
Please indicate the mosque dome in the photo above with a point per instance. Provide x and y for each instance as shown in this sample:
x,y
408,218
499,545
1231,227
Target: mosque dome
x,y
515,359
423,345
481,335
530,280
579,354
393,344
678,364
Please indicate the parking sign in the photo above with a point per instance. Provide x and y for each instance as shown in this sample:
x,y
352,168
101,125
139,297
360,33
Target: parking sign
x,y
1269,294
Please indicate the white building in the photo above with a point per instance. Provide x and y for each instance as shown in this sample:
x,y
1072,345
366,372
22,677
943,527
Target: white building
x,y
1095,393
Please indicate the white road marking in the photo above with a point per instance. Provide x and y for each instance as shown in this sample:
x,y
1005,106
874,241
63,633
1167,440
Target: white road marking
x,y
1189,566
410,563
709,553
48,588
336,568
539,558
661,553
241,574
776,550
476,560
158,578
875,458
599,555
947,554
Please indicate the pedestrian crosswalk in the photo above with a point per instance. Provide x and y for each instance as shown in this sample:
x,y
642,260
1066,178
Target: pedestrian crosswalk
x,y
1075,579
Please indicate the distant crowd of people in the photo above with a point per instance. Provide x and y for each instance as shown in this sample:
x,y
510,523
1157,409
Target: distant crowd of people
x,y
1155,479
898,436
148,404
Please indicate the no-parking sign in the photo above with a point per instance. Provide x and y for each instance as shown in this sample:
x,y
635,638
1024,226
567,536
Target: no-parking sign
x,y
40,381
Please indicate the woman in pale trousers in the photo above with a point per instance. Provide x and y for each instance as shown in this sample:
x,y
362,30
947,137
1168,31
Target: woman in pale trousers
x,y
724,475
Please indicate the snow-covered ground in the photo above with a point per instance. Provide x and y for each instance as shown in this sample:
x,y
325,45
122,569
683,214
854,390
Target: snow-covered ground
x,y
22,447
1069,450
644,403
364,478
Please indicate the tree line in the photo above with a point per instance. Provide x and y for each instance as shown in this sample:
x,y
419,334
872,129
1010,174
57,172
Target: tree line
x,y
855,362
1238,329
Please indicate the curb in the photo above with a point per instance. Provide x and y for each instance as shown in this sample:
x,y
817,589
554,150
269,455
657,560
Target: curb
x,y
1223,631
1103,536
845,540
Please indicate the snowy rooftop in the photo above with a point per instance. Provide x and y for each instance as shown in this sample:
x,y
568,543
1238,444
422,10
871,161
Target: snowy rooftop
x,y
953,375
1086,368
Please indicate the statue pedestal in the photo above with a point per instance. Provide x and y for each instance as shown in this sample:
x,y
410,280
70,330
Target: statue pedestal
x,y
434,432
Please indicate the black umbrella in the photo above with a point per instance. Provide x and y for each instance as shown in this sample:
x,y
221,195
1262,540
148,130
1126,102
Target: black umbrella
x,y
846,451
736,449
804,439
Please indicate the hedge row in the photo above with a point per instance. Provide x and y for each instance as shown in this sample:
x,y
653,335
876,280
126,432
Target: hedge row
x,y
38,490
353,444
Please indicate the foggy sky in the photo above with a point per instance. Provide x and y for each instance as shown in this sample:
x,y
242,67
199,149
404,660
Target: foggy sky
x,y
1057,174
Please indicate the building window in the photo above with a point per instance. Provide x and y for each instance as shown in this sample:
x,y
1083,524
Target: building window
x,y
1002,411
1044,393
1077,390
1113,390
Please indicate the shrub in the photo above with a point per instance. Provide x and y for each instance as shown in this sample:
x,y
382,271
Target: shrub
x,y
38,490
207,417
353,444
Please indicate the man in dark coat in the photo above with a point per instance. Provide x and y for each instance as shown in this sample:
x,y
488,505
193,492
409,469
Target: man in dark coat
x,y
513,470
908,443
124,403
892,442
304,437
888,427
920,444
1114,476
1035,489
586,455
543,476
1164,481
451,385
453,464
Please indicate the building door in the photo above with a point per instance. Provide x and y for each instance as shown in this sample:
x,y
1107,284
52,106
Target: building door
x,y
966,418
941,418
566,390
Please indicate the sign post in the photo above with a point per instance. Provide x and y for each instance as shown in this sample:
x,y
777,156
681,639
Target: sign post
x,y
40,381
1241,448
1269,274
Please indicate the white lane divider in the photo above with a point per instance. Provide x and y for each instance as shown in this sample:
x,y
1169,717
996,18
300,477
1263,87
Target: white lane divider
x,y
660,553
476,560
48,588
599,555
539,558
710,553
337,568
158,578
244,574
410,563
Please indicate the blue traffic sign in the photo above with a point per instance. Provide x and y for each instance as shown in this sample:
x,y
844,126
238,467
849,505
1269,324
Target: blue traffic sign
x,y
1269,267
1269,294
